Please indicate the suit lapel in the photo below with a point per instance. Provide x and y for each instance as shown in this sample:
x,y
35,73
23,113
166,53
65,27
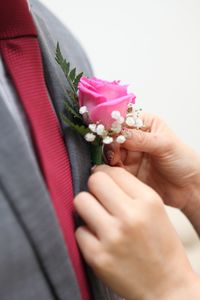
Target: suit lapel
x,y
77,148
24,188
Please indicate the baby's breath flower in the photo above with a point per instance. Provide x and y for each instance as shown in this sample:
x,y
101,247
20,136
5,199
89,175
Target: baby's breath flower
x,y
108,140
121,120
139,123
116,114
92,127
83,110
116,127
100,129
130,121
90,137
120,139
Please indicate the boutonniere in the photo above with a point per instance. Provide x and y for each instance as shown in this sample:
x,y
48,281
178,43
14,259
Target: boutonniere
x,y
101,111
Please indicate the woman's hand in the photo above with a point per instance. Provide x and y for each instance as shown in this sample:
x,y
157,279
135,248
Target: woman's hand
x,y
162,161
129,241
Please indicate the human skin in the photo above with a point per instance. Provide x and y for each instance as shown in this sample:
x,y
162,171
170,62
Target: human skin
x,y
161,160
129,241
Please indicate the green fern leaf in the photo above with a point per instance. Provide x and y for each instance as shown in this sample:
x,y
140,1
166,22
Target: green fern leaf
x,y
77,79
81,129
59,57
72,74
65,66
71,110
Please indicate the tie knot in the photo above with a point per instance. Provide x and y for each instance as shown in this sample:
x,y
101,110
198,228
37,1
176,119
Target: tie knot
x,y
15,19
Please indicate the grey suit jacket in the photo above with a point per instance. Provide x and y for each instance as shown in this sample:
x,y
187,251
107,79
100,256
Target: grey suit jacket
x,y
34,264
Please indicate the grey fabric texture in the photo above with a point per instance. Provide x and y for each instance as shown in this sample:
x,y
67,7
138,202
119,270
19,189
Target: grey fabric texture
x,y
29,205
34,262
10,97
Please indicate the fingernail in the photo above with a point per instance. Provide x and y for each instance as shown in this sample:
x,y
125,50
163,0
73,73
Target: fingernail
x,y
127,133
93,168
109,156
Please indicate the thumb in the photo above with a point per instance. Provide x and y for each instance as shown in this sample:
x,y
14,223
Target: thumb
x,y
114,155
143,141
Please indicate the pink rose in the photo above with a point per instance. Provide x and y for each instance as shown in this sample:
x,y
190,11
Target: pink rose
x,y
102,98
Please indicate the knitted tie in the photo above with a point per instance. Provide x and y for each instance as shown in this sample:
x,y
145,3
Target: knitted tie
x,y
21,54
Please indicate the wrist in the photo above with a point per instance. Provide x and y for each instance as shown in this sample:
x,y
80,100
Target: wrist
x,y
192,207
189,289
184,286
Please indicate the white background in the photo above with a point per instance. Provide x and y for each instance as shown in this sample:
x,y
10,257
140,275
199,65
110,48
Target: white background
x,y
154,45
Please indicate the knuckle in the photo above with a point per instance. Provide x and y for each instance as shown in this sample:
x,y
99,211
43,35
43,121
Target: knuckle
x,y
114,237
79,198
93,260
167,144
140,137
121,172
132,225
127,224
153,204
101,261
155,118
154,201
128,219
137,223
95,178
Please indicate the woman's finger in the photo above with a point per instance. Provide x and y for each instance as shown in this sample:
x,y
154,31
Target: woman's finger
x,y
125,181
109,194
92,213
88,243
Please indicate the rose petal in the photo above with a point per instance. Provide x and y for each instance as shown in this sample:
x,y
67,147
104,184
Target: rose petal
x,y
102,112
86,82
108,89
95,93
89,98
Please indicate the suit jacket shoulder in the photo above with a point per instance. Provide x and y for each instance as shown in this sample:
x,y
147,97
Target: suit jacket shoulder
x,y
59,33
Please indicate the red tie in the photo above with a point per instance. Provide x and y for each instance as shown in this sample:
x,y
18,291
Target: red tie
x,y
20,50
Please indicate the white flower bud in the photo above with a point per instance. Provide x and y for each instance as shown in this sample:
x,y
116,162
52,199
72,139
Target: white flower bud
x,y
116,127
120,139
92,127
139,123
130,105
130,114
115,114
83,110
121,120
90,137
107,140
130,121
100,129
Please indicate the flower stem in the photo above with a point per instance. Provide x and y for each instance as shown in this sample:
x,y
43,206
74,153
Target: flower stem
x,y
97,154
